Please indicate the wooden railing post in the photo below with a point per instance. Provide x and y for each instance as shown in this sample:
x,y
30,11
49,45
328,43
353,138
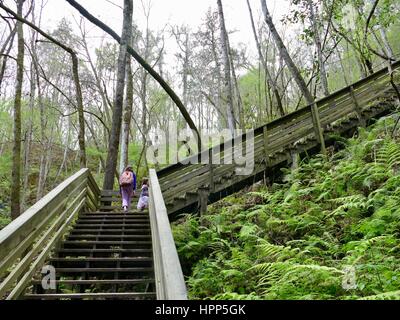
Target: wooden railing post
x,y
357,106
203,200
265,139
211,172
319,134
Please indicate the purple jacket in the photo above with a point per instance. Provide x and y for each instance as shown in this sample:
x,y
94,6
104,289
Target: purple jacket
x,y
133,183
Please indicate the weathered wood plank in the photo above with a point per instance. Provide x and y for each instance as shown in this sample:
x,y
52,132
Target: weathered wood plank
x,y
170,283
23,282
21,227
20,249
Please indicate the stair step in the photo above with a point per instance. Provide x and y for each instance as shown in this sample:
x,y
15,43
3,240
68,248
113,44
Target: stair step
x,y
113,215
108,221
129,213
110,231
101,262
93,236
76,242
111,225
104,270
91,259
99,250
99,282
110,208
117,295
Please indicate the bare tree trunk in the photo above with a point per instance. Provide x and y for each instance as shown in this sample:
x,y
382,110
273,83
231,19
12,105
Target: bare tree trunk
x,y
143,95
285,55
227,72
239,97
74,58
42,168
28,136
112,156
143,63
64,161
186,70
16,167
386,43
270,80
96,77
317,39
81,117
218,76
126,117
7,46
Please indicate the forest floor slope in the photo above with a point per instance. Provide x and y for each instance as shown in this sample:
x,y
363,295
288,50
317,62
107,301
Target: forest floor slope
x,y
330,230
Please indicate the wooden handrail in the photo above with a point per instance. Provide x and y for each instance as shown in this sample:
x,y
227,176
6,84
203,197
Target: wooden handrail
x,y
170,284
28,240
341,93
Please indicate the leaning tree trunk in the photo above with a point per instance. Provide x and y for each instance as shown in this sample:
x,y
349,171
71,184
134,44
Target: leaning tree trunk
x,y
171,93
16,166
285,55
271,82
227,71
5,51
112,156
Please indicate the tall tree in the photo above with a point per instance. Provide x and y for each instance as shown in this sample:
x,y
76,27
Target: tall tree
x,y
285,55
113,146
227,96
78,90
127,115
16,167
270,80
317,39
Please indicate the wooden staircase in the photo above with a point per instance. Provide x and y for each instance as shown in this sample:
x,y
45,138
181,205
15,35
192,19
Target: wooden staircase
x,y
75,243
107,255
189,187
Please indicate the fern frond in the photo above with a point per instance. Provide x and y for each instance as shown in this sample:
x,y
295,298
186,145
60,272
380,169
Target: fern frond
x,y
393,295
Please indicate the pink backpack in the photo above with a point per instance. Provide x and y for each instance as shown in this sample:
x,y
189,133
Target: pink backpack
x,y
126,179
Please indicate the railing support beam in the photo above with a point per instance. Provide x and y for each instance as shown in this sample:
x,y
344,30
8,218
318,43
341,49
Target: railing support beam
x,y
319,133
357,107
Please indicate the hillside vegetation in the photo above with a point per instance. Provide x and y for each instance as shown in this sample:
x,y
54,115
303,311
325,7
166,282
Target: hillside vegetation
x,y
331,230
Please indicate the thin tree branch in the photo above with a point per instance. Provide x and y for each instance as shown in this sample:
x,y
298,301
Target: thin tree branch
x,y
143,63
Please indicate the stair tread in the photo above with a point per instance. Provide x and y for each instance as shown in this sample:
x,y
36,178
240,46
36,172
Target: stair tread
x,y
80,221
113,225
104,242
90,295
89,259
90,231
101,281
128,269
135,236
118,250
116,216
129,213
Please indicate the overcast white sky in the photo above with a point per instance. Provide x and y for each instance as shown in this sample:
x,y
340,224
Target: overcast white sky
x,y
175,12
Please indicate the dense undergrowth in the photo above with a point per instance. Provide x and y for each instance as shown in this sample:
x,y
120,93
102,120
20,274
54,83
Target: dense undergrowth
x,y
331,230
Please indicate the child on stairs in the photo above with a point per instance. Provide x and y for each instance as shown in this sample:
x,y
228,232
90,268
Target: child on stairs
x,y
144,195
